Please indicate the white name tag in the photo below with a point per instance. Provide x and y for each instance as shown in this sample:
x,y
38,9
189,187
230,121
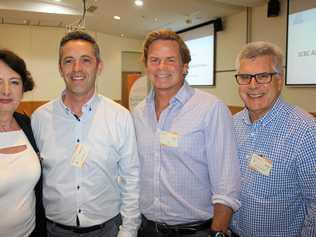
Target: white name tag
x,y
79,156
260,164
169,139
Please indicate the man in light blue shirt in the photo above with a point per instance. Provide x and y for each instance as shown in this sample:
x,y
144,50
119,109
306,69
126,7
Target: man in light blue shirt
x,y
88,147
189,166
277,151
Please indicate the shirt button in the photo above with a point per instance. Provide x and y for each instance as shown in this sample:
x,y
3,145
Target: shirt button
x,y
78,187
78,140
79,210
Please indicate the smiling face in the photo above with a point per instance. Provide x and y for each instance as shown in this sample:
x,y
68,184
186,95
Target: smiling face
x,y
259,98
79,67
11,88
164,66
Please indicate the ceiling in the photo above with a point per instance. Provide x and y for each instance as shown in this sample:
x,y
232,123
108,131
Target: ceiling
x,y
135,21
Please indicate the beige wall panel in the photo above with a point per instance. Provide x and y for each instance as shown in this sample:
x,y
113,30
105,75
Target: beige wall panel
x,y
109,82
230,41
226,89
44,63
131,62
16,38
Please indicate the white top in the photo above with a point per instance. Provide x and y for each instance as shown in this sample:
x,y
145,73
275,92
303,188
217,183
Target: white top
x,y
19,173
90,188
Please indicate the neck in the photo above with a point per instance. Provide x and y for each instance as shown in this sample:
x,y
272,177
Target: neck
x,y
75,102
6,121
162,99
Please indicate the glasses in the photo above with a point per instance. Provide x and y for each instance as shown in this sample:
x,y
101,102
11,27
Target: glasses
x,y
260,78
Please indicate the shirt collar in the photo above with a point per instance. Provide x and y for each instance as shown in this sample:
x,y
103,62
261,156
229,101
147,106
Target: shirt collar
x,y
268,117
87,107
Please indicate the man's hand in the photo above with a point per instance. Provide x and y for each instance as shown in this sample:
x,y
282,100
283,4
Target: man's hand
x,y
221,218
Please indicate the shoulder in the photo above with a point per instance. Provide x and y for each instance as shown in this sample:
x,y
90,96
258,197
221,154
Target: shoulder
x,y
25,124
299,119
140,108
111,105
207,102
23,121
111,110
207,97
45,108
237,117
21,117
304,117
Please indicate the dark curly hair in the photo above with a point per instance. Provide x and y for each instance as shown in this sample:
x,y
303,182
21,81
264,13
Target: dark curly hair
x,y
18,65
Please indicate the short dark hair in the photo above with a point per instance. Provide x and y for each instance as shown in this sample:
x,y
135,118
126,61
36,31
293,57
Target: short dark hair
x,y
164,34
79,35
18,65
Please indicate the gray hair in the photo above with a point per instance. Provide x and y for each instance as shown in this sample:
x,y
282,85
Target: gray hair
x,y
261,48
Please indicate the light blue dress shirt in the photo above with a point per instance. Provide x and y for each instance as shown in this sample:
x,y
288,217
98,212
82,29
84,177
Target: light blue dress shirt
x,y
108,182
283,203
180,183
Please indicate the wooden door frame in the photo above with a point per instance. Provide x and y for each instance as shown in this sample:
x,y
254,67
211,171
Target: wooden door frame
x,y
125,91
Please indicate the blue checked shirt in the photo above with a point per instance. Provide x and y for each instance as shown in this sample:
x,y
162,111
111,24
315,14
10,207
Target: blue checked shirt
x,y
180,182
284,202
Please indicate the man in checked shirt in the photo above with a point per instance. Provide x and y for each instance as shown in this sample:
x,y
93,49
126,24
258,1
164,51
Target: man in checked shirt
x,y
277,151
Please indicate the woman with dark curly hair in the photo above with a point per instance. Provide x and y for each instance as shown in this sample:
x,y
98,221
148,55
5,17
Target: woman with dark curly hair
x,y
21,211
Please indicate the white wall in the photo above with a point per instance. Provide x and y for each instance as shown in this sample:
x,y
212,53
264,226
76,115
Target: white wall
x,y
38,46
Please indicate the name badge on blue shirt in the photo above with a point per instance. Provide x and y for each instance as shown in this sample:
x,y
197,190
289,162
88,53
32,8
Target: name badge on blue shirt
x,y
169,139
260,164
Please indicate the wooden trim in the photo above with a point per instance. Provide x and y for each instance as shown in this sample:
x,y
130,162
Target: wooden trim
x,y
235,109
27,107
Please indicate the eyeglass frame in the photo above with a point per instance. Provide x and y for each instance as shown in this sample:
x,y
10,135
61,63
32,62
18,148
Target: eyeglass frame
x,y
255,77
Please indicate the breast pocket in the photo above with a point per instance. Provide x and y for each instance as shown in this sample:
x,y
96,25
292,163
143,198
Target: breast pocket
x,y
274,185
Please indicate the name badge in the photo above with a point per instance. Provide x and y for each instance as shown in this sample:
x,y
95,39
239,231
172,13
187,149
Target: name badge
x,y
169,139
260,164
79,156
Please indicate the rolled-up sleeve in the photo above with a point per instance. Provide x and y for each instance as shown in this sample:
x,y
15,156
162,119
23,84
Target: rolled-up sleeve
x,y
223,163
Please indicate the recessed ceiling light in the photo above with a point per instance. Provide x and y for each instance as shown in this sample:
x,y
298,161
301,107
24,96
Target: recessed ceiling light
x,y
139,3
116,17
122,35
57,0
